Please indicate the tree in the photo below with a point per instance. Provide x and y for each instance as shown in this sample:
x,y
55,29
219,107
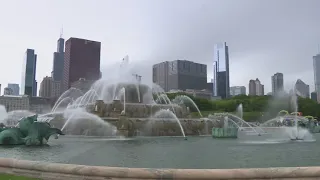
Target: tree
x,y
266,106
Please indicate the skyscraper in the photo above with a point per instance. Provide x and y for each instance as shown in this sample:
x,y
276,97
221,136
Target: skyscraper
x,y
302,89
277,83
316,71
81,60
58,61
221,85
256,88
180,75
28,82
252,87
15,88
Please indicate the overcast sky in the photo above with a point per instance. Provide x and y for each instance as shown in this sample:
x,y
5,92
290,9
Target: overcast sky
x,y
264,36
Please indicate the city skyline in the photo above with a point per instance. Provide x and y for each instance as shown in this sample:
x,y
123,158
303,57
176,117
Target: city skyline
x,y
149,38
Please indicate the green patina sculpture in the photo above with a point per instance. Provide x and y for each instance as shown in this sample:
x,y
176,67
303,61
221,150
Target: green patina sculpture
x,y
29,132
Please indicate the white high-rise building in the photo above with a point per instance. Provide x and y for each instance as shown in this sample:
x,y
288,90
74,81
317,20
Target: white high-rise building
x,y
221,80
316,71
256,88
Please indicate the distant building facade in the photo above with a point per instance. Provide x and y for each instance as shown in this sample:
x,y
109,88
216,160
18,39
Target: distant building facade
x,y
302,89
81,60
39,105
46,87
15,88
316,71
256,88
7,91
237,90
221,80
277,83
50,88
82,84
205,94
314,96
180,74
29,83
56,89
11,102
210,87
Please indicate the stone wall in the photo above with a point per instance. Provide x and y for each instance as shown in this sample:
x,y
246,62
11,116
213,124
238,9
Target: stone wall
x,y
55,171
134,110
137,127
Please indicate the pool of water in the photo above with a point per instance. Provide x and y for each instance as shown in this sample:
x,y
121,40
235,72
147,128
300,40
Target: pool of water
x,y
173,152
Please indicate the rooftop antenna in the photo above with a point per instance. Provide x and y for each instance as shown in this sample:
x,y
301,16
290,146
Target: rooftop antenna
x,y
61,32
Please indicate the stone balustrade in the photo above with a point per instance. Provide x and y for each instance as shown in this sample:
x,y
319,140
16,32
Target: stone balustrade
x,y
55,171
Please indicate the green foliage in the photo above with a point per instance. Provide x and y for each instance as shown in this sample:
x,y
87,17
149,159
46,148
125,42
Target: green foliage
x,y
254,107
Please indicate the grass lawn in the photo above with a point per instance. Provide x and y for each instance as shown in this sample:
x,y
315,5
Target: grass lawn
x,y
12,177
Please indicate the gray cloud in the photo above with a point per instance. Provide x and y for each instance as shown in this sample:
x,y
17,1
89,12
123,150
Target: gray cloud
x,y
264,37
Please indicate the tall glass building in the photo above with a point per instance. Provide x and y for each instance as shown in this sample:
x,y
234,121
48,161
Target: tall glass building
x,y
28,81
221,82
58,61
316,71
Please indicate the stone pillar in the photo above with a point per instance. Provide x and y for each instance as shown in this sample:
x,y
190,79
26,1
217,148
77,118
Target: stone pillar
x,y
99,108
117,106
123,126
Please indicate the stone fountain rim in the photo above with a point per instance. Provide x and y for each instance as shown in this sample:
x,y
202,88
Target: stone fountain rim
x,y
152,173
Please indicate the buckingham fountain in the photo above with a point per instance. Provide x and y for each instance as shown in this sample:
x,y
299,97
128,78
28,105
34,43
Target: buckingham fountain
x,y
131,112
122,122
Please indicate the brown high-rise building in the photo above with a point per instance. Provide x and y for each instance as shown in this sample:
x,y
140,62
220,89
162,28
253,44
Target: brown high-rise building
x,y
46,87
81,60
256,88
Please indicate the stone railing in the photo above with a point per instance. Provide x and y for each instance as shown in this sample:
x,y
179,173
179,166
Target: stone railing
x,y
55,171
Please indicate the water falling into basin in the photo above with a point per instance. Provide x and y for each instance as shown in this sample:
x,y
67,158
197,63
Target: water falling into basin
x,y
240,111
72,93
83,121
167,114
123,94
3,114
60,104
240,122
182,99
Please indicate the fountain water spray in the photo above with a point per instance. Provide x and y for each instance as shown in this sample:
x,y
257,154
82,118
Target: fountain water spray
x,y
166,113
240,122
240,111
181,99
3,114
124,99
